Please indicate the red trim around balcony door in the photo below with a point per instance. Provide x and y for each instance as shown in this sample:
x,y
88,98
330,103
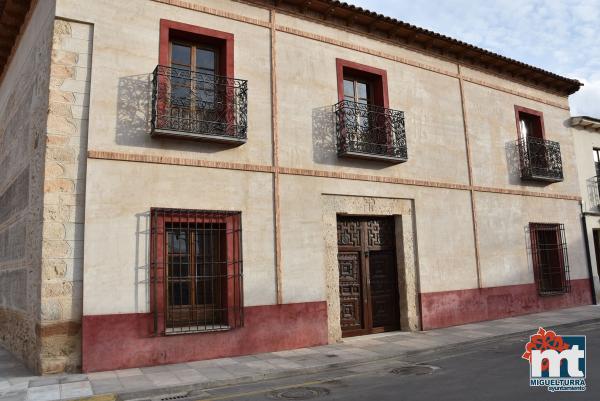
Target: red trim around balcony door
x,y
224,40
521,109
375,75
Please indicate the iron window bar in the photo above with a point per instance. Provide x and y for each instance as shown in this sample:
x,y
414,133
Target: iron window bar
x,y
370,132
540,159
550,258
194,105
196,271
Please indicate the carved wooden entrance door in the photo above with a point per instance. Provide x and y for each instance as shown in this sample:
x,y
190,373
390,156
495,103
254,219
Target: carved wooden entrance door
x,y
368,275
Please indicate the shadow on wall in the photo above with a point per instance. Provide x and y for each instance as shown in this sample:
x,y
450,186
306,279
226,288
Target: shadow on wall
x,y
134,110
324,142
134,113
142,263
513,163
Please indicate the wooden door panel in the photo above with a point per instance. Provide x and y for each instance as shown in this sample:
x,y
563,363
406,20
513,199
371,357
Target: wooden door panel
x,y
349,232
380,233
384,289
351,300
367,273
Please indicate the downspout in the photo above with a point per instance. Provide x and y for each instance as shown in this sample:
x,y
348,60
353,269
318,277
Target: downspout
x,y
587,253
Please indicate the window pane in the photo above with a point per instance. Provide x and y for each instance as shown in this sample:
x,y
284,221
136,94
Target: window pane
x,y
361,91
180,86
530,125
181,54
179,293
206,60
177,241
596,159
178,266
210,263
523,128
349,89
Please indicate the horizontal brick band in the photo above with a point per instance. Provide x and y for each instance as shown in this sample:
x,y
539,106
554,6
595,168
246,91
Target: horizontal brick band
x,y
214,11
178,161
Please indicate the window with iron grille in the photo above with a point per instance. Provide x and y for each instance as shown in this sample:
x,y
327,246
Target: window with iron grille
x,y
196,270
550,259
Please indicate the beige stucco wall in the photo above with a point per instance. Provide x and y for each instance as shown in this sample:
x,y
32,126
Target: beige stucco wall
x,y
117,227
506,259
120,194
493,133
23,111
307,126
126,39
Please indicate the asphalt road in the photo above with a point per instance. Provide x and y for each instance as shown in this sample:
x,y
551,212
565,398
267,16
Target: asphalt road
x,y
494,371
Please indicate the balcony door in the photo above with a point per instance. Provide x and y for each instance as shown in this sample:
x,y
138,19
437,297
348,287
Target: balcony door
x,y
365,119
367,275
195,96
531,132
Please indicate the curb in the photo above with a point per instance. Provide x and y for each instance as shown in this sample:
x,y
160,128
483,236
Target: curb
x,y
184,391
99,397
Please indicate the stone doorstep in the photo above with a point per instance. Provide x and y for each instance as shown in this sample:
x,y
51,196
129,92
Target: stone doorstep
x,y
282,373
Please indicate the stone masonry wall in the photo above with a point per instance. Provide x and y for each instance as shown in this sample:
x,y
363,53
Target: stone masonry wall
x,y
64,188
23,106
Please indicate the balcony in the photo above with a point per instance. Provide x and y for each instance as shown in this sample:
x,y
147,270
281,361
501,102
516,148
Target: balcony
x,y
191,105
593,187
540,160
370,132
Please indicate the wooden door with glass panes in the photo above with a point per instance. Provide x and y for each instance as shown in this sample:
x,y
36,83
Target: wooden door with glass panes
x,y
195,90
196,274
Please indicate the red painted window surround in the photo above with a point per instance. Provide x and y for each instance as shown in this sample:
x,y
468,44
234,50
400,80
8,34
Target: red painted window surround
x,y
558,256
158,253
170,30
377,76
524,110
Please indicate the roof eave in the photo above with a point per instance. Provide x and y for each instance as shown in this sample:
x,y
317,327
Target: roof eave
x,y
345,15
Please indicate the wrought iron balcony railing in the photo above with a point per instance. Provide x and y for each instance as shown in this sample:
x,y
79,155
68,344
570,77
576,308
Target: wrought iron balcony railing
x,y
199,106
370,132
540,159
593,187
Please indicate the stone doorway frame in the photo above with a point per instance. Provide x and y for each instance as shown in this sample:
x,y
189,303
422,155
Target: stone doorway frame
x,y
406,256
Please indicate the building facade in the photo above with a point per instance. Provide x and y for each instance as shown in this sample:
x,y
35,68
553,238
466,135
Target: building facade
x,y
184,180
586,134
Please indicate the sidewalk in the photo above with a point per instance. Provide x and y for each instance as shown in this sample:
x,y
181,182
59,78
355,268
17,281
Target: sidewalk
x,y
17,384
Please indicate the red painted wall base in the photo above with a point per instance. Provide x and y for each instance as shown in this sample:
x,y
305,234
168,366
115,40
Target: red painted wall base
x,y
125,340
451,308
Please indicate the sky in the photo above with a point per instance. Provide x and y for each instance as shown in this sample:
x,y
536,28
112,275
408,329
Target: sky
x,y
561,36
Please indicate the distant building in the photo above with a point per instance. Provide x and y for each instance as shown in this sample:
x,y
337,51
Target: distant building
x,y
586,134
368,175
